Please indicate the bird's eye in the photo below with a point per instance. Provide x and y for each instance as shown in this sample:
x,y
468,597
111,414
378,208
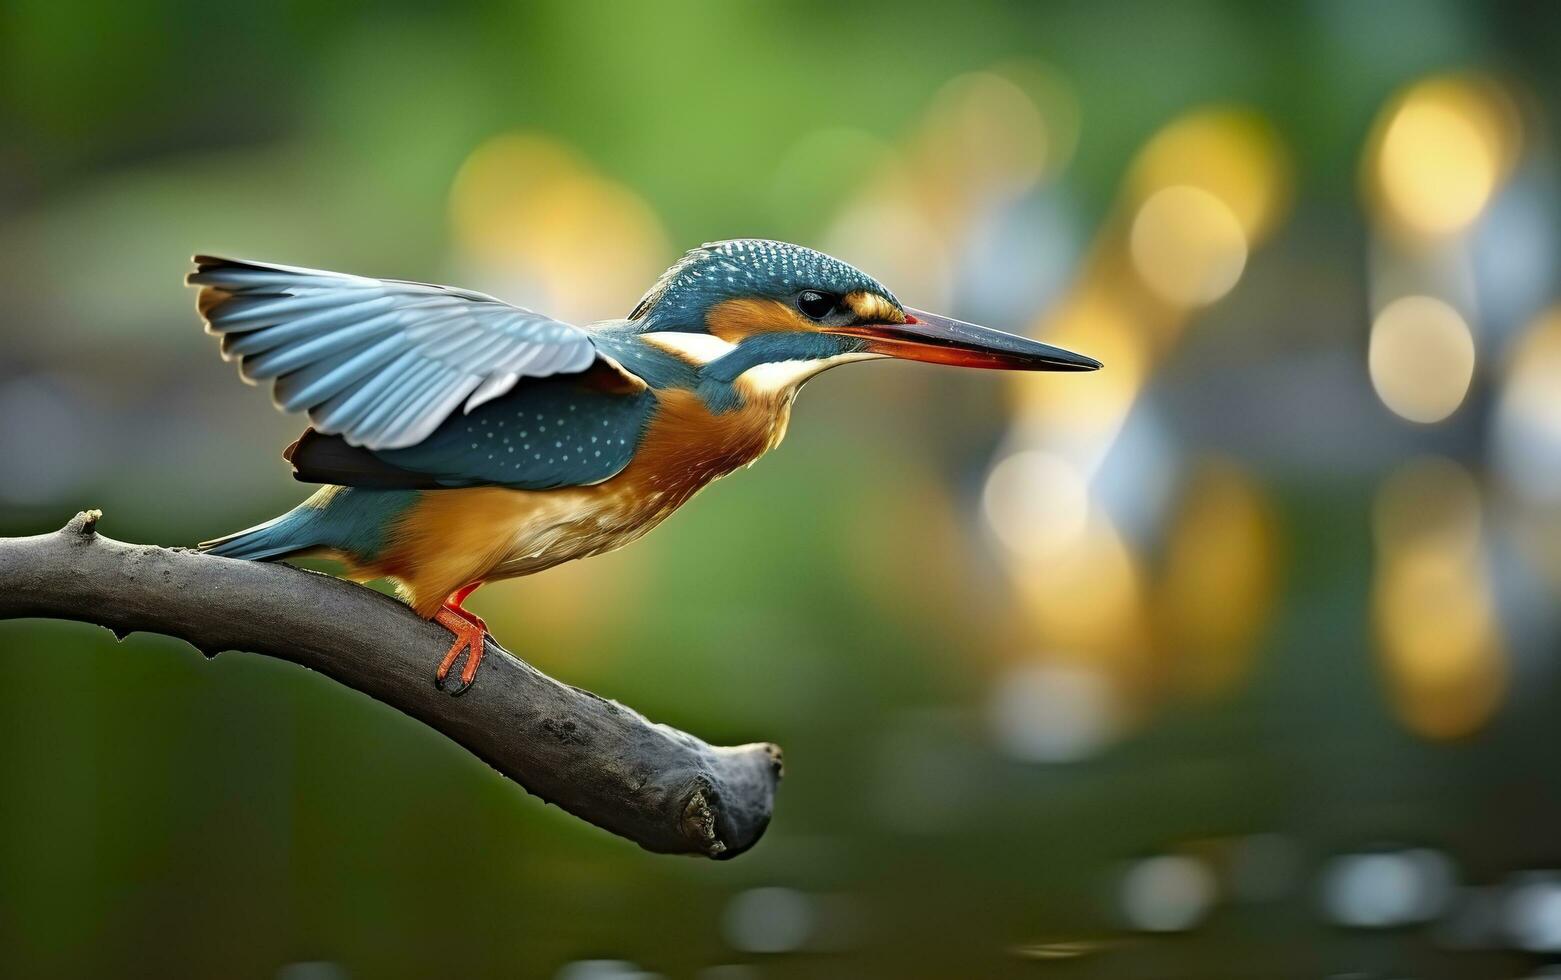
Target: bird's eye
x,y
816,304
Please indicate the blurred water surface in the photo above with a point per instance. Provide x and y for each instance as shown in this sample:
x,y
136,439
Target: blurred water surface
x,y
1236,659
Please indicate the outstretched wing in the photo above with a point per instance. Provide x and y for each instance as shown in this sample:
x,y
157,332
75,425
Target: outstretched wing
x,y
379,362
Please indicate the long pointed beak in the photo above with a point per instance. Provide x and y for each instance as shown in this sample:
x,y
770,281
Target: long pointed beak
x,y
941,340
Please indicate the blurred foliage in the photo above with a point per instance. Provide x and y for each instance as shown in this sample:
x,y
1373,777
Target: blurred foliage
x,y
1235,659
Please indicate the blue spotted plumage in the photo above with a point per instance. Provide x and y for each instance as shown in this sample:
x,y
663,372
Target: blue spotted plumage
x,y
460,439
551,433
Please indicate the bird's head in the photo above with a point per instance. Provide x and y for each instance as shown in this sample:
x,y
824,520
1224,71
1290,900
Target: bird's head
x,y
786,312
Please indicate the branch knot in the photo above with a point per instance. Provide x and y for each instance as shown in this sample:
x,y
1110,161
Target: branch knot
x,y
85,523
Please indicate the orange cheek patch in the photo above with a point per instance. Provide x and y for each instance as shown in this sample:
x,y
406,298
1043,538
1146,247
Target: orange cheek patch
x,y
872,308
734,319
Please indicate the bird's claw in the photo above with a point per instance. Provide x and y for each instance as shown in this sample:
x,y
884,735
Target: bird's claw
x,y
470,634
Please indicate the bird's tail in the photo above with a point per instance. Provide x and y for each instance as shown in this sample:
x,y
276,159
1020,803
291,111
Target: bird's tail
x,y
289,534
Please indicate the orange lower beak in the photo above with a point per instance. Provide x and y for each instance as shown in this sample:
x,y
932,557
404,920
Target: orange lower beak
x,y
941,340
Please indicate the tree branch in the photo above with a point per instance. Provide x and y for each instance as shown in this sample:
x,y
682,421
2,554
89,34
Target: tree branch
x,y
659,787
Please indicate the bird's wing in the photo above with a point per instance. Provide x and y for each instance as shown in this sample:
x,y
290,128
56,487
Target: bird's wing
x,y
570,430
379,362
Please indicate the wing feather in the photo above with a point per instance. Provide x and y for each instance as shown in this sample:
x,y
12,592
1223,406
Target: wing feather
x,y
380,362
313,385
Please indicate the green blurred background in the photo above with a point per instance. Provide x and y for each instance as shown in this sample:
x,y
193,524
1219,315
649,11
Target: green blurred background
x,y
1236,659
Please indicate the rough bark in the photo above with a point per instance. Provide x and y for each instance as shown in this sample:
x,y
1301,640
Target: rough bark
x,y
655,785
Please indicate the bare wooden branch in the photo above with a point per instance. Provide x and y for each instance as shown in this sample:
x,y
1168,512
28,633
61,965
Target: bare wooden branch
x,y
659,787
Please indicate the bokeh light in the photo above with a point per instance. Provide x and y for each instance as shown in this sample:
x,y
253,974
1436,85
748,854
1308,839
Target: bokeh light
x,y
1230,153
1386,889
1167,893
1441,150
1036,502
1200,193
1431,503
1188,246
983,133
1080,421
501,185
1439,642
769,920
1421,358
1533,913
603,970
1088,596
1216,590
1527,437
1435,621
1052,712
532,215
989,136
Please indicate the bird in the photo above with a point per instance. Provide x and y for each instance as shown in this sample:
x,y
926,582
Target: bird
x,y
459,440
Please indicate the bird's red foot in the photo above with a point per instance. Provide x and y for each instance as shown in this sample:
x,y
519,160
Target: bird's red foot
x,y
470,632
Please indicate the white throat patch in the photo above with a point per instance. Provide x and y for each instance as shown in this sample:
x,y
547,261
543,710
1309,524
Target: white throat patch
x,y
779,377
698,349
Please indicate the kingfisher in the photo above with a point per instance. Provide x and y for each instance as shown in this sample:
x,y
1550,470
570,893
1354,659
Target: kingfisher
x,y
459,439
